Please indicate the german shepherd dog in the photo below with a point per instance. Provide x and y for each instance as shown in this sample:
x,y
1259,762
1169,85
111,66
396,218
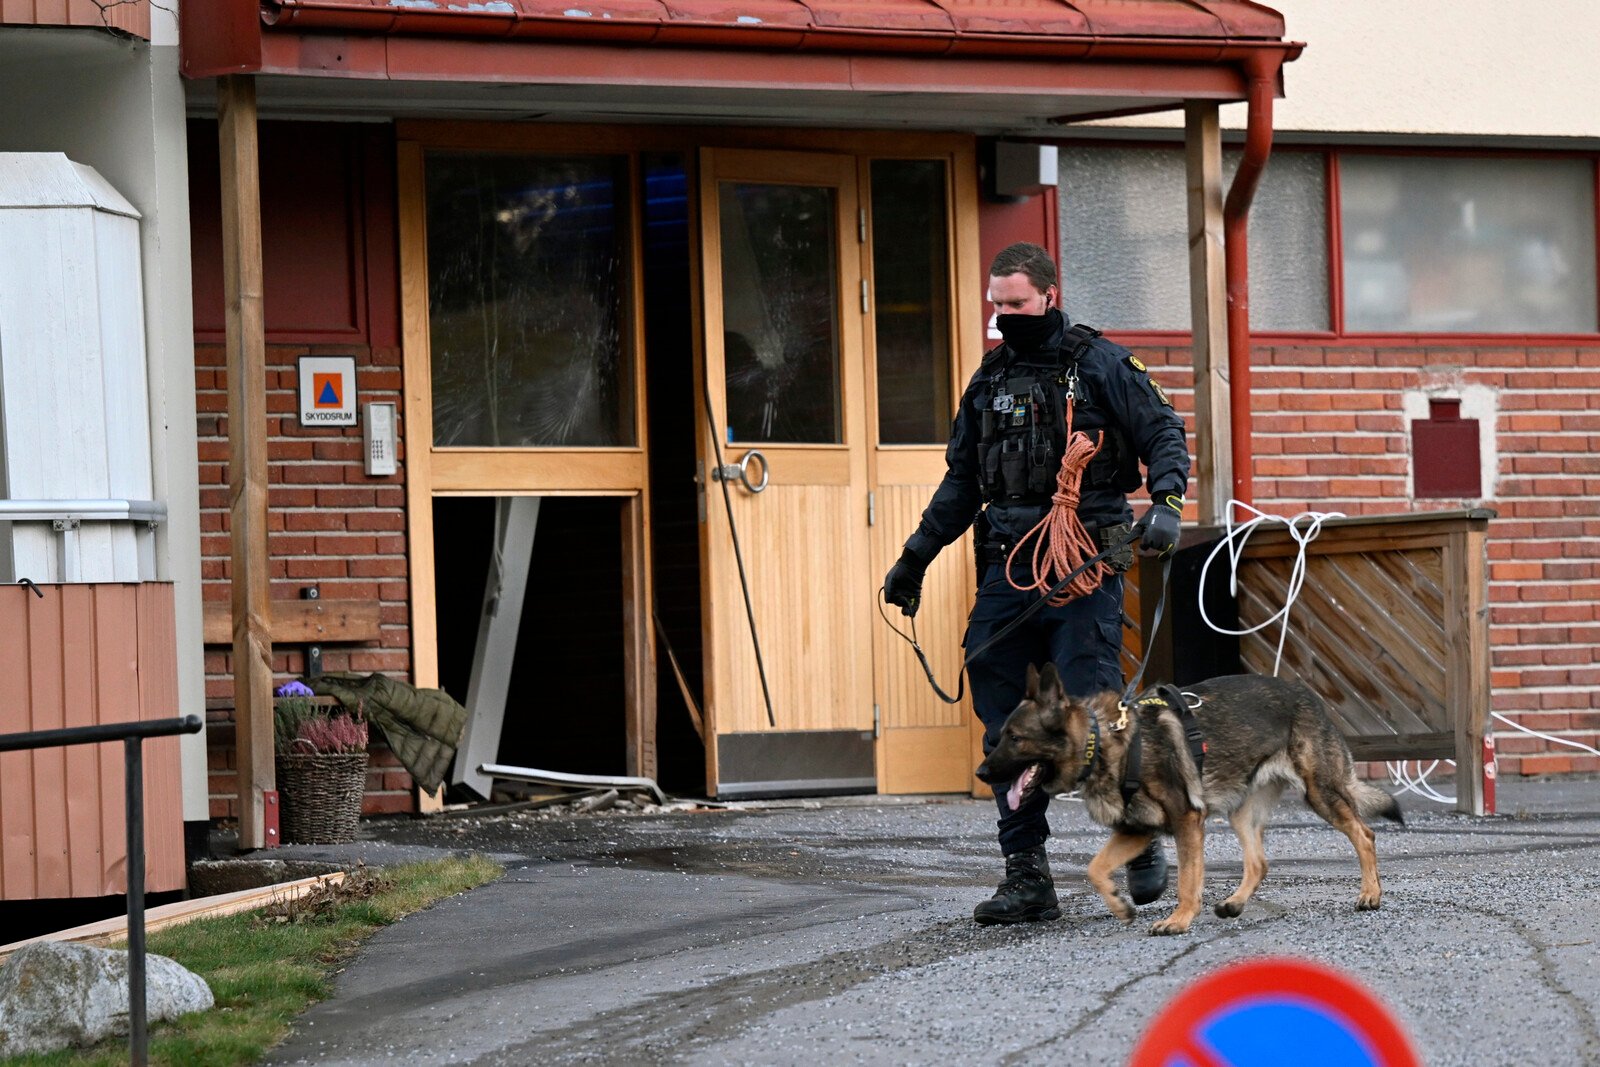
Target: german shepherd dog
x,y
1261,735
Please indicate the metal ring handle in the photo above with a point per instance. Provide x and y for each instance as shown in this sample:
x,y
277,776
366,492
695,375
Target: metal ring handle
x,y
744,471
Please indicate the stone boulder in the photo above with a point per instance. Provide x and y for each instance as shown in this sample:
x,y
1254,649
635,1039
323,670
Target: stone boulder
x,y
55,995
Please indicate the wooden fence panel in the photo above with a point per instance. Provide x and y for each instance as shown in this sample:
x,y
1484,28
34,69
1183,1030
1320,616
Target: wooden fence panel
x,y
1391,628
79,656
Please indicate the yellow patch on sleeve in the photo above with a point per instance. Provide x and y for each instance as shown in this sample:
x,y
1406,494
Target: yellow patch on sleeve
x,y
1161,394
1133,361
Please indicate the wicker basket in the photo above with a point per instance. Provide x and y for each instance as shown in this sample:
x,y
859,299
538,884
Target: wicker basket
x,y
321,797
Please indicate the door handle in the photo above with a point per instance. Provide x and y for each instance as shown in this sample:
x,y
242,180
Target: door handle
x,y
741,471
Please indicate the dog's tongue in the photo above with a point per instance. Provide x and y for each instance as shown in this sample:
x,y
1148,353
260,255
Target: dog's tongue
x,y
1014,794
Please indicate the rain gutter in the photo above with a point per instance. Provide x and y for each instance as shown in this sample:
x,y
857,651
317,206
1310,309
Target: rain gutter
x,y
1263,74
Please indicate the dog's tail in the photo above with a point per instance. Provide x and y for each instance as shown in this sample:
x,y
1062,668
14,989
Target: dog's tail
x,y
1372,801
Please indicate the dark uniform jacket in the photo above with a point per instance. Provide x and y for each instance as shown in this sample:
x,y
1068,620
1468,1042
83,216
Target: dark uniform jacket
x,y
1112,392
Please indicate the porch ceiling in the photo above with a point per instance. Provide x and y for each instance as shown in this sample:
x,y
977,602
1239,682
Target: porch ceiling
x,y
1013,111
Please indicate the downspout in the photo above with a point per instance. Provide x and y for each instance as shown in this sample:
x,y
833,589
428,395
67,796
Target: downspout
x,y
1262,70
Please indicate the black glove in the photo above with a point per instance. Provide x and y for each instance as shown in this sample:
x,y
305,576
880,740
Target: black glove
x,y
903,586
1160,525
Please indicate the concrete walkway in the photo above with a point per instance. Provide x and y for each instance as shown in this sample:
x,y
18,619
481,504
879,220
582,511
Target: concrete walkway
x,y
841,933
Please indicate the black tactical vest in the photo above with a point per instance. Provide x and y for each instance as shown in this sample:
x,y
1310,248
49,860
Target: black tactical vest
x,y
1022,429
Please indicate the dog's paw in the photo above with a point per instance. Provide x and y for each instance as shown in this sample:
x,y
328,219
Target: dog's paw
x,y
1122,909
1169,926
1368,902
1228,910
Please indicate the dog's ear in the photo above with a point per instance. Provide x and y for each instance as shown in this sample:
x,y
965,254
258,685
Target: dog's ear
x,y
1050,689
1033,681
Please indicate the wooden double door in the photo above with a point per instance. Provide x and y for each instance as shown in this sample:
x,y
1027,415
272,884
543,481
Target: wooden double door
x,y
837,335
836,310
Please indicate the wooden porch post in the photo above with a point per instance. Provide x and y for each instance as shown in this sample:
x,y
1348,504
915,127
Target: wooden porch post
x,y
1208,312
247,450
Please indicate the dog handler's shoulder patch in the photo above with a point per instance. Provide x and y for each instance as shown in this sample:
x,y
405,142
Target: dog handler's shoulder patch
x,y
1155,387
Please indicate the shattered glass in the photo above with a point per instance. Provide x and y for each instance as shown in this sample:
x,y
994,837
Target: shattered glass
x,y
780,313
526,289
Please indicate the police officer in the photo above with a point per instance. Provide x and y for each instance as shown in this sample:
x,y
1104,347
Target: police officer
x,y
1004,452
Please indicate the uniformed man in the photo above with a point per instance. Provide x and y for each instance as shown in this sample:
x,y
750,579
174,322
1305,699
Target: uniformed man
x,y
1005,449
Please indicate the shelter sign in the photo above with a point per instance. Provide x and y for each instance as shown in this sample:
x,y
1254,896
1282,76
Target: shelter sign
x,y
327,391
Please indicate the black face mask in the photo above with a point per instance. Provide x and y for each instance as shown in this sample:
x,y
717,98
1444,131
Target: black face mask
x,y
1028,333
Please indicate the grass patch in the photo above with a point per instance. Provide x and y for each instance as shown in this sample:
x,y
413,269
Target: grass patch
x,y
266,967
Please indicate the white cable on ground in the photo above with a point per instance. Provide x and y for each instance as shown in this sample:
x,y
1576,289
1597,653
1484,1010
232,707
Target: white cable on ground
x,y
1547,737
1297,576
1400,776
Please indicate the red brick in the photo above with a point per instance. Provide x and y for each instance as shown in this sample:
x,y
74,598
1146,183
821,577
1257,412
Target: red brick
x,y
387,804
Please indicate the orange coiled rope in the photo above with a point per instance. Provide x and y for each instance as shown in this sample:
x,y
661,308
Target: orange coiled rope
x,y
1063,544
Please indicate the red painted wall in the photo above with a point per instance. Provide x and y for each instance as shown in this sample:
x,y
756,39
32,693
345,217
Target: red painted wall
x,y
329,246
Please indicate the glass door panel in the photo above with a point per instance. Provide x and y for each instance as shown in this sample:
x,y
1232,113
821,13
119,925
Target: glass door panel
x,y
911,309
780,312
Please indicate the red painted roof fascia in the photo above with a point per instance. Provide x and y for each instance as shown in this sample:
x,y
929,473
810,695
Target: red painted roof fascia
x,y
227,38
219,37
1187,31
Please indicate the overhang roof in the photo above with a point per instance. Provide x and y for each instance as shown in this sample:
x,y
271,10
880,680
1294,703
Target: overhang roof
x,y
972,63
981,27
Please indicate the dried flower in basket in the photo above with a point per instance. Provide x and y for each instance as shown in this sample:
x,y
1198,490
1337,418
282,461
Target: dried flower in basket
x,y
336,734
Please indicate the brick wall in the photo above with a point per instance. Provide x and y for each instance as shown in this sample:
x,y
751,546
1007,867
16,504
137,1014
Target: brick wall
x,y
1331,434
329,525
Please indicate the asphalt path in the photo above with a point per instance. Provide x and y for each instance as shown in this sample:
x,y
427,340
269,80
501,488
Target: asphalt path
x,y
841,933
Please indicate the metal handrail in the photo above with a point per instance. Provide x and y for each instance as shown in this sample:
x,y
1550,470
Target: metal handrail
x,y
132,736
151,511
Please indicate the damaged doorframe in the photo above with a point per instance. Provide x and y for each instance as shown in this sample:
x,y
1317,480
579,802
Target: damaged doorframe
x,y
504,590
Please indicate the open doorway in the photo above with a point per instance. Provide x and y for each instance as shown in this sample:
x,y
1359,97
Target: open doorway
x,y
675,501
565,700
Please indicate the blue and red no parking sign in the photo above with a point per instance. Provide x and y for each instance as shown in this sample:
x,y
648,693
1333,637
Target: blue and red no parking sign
x,y
1271,1012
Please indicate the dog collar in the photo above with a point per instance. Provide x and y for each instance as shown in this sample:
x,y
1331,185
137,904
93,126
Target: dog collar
x,y
1091,748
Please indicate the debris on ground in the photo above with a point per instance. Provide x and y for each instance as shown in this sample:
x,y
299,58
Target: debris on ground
x,y
320,905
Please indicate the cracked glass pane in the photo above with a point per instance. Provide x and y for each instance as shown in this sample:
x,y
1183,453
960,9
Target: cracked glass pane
x,y
526,288
780,308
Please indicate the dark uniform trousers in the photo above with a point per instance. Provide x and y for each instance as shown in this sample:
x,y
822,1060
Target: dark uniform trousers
x,y
1083,638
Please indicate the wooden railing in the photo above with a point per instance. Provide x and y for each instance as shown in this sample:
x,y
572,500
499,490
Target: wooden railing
x,y
1391,628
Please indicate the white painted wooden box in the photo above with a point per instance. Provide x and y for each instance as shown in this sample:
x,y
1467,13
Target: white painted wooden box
x,y
74,410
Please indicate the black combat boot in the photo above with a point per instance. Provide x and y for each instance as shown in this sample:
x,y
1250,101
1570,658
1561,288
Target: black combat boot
x,y
1026,895
1147,873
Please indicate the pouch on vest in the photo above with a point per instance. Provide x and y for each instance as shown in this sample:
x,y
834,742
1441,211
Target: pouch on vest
x,y
1014,467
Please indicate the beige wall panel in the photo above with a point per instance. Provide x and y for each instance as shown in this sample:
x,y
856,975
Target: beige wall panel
x,y
1441,67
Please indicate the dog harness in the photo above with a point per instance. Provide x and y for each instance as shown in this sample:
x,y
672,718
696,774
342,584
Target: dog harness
x,y
1166,695
1091,749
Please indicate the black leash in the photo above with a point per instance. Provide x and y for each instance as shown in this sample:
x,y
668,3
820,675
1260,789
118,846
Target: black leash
x,y
1026,614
